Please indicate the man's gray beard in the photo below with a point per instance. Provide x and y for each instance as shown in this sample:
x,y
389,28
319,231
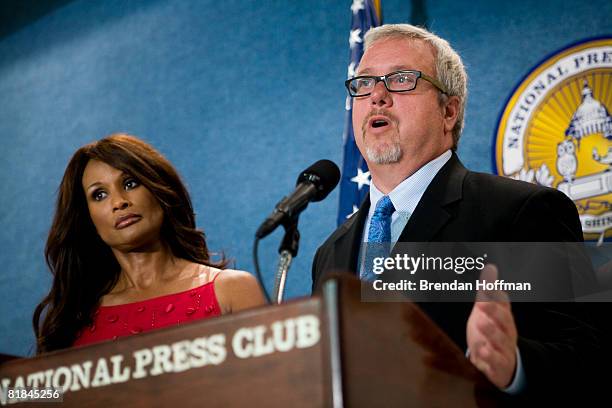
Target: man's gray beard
x,y
392,153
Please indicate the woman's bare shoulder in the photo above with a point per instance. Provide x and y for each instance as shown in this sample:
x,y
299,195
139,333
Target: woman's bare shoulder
x,y
233,274
237,290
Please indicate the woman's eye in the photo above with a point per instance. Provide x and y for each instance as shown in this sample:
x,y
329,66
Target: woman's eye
x,y
99,195
130,184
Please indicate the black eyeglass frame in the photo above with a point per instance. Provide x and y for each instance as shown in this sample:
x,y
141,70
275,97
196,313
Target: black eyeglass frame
x,y
383,79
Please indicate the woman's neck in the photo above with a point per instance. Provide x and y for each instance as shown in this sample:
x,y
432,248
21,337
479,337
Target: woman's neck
x,y
146,270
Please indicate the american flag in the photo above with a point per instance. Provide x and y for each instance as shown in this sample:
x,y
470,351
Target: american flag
x,y
355,182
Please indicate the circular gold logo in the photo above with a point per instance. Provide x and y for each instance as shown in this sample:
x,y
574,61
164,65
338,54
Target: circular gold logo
x,y
556,130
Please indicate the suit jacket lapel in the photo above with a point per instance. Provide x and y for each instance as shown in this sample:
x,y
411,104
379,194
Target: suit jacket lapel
x,y
428,218
430,215
346,247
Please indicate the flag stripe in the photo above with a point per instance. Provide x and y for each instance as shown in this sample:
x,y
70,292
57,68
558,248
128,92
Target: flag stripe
x,y
354,184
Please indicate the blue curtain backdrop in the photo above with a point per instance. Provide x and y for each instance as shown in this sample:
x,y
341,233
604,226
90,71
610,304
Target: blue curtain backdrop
x,y
239,95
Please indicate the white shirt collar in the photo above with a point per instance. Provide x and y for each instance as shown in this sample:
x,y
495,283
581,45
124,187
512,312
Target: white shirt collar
x,y
406,195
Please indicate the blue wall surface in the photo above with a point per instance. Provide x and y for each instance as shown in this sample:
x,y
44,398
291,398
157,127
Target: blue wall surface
x,y
239,95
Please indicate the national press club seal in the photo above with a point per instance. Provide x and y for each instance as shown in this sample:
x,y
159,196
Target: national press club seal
x,y
556,130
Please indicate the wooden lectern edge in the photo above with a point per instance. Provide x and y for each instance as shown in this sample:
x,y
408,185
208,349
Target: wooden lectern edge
x,y
343,279
8,357
147,391
465,382
346,278
444,354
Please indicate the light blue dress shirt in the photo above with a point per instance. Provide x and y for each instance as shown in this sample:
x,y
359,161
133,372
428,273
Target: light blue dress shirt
x,y
405,198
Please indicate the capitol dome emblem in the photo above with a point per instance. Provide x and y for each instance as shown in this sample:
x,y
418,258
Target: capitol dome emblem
x,y
556,130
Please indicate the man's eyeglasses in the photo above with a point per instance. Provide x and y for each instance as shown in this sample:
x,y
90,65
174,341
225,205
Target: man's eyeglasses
x,y
399,81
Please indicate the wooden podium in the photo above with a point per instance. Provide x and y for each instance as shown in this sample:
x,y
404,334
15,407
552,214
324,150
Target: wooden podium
x,y
331,350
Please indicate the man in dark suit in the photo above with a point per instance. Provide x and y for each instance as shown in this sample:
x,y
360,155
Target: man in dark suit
x,y
408,105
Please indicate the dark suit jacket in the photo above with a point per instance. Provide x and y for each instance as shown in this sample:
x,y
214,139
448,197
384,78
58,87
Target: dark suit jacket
x,y
556,343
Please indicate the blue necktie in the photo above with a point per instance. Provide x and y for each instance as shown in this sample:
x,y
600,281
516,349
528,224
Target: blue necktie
x,y
379,236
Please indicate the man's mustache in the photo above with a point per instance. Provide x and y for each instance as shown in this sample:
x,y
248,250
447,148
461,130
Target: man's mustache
x,y
374,112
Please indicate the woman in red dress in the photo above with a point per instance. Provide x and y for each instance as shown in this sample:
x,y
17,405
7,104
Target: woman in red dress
x,y
125,253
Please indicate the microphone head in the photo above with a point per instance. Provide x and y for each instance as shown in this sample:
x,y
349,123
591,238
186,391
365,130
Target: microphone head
x,y
324,175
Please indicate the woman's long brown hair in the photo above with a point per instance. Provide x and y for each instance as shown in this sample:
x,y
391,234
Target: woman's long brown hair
x,y
83,266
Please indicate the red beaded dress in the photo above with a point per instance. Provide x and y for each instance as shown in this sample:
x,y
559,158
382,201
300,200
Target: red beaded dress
x,y
112,322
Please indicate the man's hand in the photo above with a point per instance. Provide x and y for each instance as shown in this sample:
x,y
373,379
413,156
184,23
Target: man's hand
x,y
491,333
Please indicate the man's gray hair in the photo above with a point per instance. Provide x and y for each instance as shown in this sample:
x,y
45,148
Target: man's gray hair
x,y
449,67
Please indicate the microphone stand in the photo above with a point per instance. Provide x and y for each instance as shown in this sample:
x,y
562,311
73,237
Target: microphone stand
x,y
287,250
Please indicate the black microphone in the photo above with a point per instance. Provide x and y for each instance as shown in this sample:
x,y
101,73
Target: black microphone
x,y
313,184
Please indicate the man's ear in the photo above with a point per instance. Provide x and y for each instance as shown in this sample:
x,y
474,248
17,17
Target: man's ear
x,y
450,112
